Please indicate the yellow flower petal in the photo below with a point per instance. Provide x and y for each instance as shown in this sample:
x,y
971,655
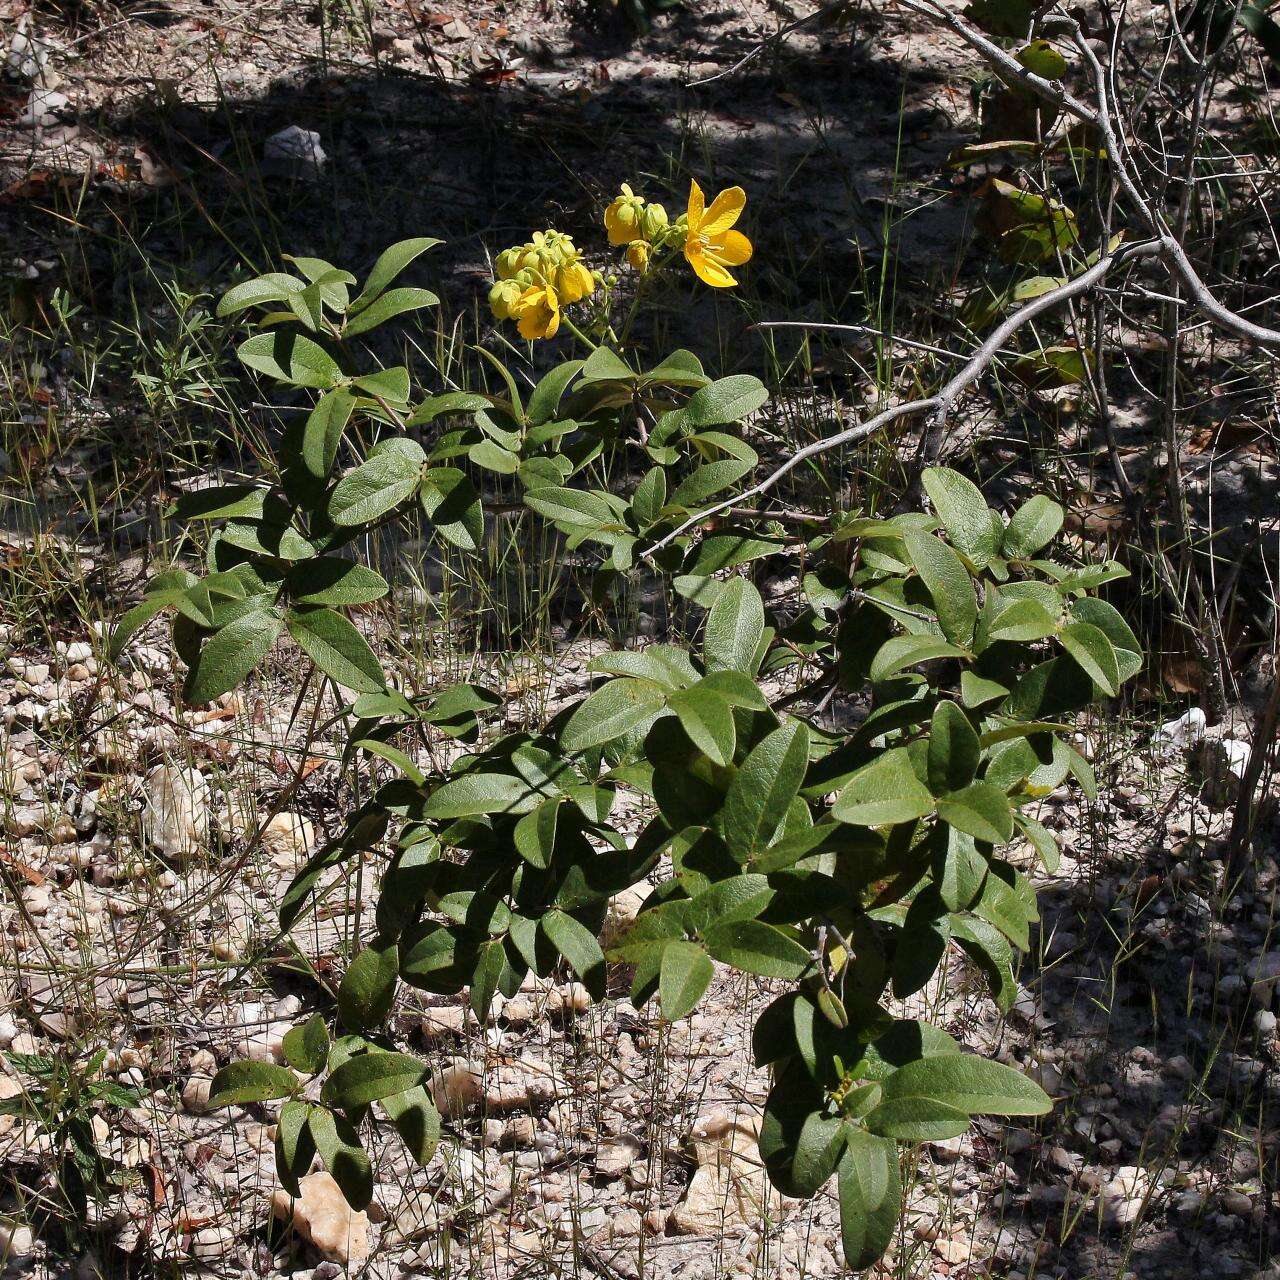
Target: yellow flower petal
x,y
697,206
733,250
725,210
707,269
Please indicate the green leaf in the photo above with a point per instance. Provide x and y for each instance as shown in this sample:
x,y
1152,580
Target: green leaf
x,y
225,501
964,513
391,385
453,506
1041,840
883,793
395,302
817,1148
755,947
330,580
137,618
545,398
290,357
965,1083
1033,526
679,369
261,291
708,720
662,664
241,1082
295,1147
735,628
378,485
870,1191
323,431
477,793
1108,620
230,654
368,987
603,365
306,1046
579,947
490,964
724,401
332,642
391,262
339,1147
573,508
954,749
763,788
609,712
901,652
980,810
685,974
958,868
706,480
989,949
535,834
367,1077
949,584
649,498
975,691
1094,653
416,1121
1021,621
737,898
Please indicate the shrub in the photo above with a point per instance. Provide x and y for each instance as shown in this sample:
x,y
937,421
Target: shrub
x,y
843,865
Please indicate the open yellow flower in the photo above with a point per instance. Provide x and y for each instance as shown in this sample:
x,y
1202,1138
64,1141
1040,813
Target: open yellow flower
x,y
573,282
537,311
710,245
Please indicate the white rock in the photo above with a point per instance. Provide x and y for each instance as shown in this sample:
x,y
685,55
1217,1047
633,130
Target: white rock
x,y
1185,731
296,145
322,1216
44,107
195,1095
287,837
175,818
28,54
613,1160
1223,762
456,1087
17,1243
729,1187
443,1021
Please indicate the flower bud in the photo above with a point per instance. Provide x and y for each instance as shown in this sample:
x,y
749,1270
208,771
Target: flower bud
x,y
654,221
622,218
638,255
509,262
501,297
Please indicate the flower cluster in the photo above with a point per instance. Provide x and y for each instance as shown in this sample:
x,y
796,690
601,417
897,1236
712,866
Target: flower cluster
x,y
632,221
535,279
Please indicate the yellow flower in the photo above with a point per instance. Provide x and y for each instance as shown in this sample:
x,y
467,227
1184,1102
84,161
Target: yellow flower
x,y
622,217
638,255
573,282
502,297
538,311
710,245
